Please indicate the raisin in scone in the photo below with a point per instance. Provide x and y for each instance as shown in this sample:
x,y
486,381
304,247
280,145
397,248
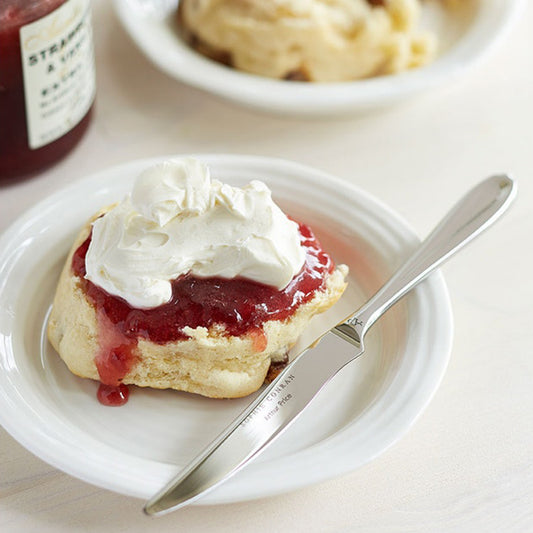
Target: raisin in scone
x,y
189,284
309,40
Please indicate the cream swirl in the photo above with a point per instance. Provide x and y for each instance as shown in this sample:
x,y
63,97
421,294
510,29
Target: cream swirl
x,y
177,220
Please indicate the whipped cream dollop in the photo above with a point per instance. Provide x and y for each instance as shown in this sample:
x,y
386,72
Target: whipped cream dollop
x,y
176,221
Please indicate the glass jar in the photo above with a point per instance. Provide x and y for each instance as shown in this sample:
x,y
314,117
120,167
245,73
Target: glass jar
x,y
47,81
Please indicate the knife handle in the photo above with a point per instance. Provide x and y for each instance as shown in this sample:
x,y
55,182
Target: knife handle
x,y
475,212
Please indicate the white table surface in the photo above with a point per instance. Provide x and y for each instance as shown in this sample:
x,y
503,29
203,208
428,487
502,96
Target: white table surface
x,y
467,464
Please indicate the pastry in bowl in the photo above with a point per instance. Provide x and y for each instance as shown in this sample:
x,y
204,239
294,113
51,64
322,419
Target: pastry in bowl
x,y
309,40
189,284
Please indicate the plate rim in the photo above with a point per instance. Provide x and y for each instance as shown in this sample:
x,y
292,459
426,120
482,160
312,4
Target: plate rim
x,y
436,281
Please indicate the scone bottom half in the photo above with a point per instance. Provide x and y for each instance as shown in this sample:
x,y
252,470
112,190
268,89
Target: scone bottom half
x,y
218,338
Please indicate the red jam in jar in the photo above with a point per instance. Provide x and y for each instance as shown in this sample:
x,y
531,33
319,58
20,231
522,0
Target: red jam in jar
x,y
241,305
47,81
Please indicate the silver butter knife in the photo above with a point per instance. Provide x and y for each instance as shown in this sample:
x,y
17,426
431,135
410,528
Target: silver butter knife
x,y
290,393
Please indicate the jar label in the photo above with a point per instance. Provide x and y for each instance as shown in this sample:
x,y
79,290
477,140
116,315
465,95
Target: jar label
x,y
58,68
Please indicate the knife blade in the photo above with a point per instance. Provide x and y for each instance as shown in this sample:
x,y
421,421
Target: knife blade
x,y
277,407
280,404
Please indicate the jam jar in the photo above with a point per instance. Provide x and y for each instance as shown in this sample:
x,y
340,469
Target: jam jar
x,y
47,82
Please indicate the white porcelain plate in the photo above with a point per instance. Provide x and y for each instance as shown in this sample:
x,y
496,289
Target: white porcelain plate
x,y
466,34
137,448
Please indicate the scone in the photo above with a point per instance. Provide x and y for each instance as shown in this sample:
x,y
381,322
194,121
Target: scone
x,y
189,284
309,40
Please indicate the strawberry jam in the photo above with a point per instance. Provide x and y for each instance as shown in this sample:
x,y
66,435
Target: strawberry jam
x,y
242,306
113,395
46,82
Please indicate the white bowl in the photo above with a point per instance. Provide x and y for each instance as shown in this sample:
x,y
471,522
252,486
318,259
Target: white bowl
x,y
466,36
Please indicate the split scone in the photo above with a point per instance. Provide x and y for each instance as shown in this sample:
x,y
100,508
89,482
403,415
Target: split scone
x,y
309,40
189,284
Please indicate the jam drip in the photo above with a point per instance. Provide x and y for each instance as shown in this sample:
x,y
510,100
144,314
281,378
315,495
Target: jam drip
x,y
113,395
242,306
115,358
